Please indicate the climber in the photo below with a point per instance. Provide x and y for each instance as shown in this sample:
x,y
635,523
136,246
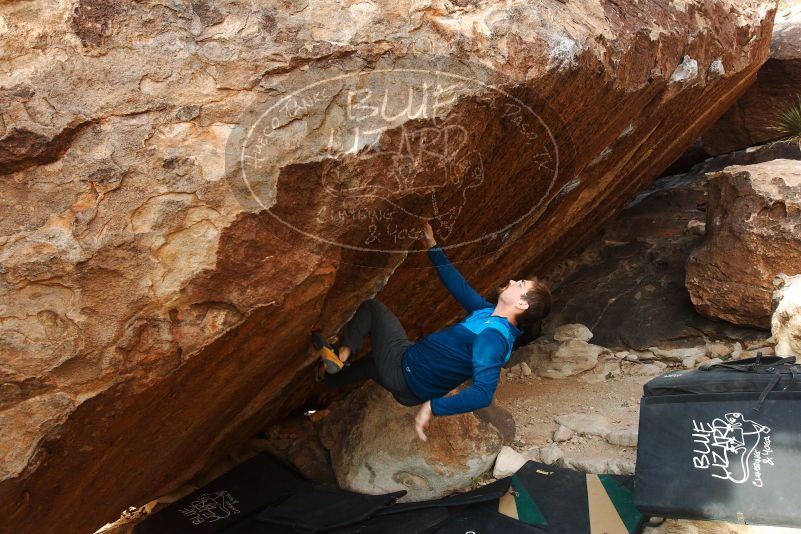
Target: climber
x,y
423,372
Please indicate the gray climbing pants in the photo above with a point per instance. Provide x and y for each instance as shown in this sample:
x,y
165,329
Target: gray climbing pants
x,y
383,363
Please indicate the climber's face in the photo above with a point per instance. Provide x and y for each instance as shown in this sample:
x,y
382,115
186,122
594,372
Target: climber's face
x,y
513,292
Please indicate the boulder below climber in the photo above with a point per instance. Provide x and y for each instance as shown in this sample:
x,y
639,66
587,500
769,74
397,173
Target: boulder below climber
x,y
753,233
374,448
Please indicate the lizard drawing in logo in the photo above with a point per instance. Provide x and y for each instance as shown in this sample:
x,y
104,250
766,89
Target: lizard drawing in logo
x,y
434,162
730,446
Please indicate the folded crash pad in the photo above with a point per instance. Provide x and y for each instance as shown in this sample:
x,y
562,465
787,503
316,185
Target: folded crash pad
x,y
325,508
248,488
411,522
489,492
263,496
484,518
265,486
570,502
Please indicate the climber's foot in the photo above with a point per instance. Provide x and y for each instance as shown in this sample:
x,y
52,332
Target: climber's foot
x,y
328,353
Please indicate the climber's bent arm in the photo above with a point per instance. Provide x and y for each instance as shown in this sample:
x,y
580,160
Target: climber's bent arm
x,y
489,349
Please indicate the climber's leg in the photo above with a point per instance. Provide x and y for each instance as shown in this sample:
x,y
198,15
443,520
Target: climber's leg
x,y
373,318
388,340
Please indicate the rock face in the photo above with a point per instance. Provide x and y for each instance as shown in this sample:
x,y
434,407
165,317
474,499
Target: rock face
x,y
374,448
628,285
748,122
156,294
753,233
786,320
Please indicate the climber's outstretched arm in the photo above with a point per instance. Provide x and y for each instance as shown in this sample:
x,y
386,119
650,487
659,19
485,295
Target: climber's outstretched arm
x,y
451,278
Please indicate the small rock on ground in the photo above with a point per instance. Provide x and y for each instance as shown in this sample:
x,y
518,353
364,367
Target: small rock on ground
x,y
551,454
623,438
562,434
572,331
508,462
586,423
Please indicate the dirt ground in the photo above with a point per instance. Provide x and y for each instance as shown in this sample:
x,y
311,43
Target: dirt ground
x,y
535,402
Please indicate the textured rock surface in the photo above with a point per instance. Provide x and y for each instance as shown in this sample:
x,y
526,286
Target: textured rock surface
x,y
586,423
551,454
748,122
572,331
537,354
786,319
552,359
628,285
685,526
508,462
296,441
571,358
624,438
753,233
150,320
678,355
562,434
374,448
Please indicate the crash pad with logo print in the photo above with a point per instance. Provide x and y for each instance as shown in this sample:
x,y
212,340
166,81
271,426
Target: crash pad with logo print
x,y
722,443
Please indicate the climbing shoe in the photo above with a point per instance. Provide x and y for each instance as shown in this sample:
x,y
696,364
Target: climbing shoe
x,y
328,353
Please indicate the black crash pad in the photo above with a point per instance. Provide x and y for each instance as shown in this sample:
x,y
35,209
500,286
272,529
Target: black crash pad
x,y
264,496
564,501
489,492
241,492
411,522
325,508
484,519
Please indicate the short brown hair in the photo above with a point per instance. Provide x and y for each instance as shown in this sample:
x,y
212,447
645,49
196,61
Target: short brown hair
x,y
539,304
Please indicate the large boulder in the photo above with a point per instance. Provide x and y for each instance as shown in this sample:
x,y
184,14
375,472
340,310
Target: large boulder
x,y
753,233
374,448
751,119
156,294
629,283
786,320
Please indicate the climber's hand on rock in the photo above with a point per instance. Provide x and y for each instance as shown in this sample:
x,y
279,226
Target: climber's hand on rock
x,y
422,419
428,235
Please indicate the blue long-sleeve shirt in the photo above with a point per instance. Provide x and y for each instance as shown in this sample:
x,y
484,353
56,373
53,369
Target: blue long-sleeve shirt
x,y
476,348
